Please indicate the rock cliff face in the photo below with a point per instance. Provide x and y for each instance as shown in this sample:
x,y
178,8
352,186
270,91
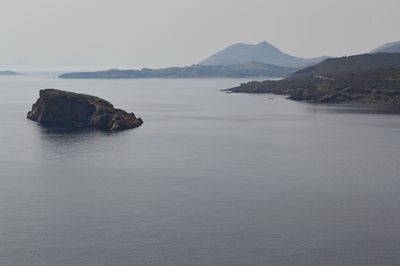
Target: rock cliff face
x,y
59,107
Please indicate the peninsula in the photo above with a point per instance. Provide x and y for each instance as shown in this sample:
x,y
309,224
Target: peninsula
x,y
8,73
366,79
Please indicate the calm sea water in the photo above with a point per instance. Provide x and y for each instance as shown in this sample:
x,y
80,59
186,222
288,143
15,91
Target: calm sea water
x,y
209,179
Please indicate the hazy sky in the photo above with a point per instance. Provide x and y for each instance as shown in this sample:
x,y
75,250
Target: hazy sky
x,y
157,33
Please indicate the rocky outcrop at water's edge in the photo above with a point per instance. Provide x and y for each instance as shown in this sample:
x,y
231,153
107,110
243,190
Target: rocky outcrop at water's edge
x,y
57,107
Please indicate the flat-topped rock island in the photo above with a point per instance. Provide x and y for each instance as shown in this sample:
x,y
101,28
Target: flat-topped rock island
x,y
57,107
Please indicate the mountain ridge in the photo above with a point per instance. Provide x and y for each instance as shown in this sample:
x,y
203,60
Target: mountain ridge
x,y
252,69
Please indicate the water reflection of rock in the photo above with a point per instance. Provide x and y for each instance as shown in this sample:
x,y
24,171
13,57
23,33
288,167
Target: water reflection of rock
x,y
60,139
81,146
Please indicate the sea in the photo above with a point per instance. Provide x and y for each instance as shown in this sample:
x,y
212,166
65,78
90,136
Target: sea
x,y
210,178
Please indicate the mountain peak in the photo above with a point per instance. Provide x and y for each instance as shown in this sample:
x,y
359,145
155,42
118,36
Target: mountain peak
x,y
264,43
263,52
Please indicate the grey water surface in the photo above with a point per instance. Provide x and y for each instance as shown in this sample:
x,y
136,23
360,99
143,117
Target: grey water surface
x,y
209,179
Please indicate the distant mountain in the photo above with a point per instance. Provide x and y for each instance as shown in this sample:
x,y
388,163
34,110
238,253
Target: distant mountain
x,y
263,52
8,73
367,79
393,47
253,69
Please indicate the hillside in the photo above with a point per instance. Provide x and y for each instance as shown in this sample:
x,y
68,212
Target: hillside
x,y
368,79
254,69
263,52
393,47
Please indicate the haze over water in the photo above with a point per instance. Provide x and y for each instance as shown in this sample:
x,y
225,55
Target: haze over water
x,y
209,179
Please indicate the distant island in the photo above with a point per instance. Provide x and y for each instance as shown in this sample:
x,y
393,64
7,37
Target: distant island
x,y
252,69
263,52
57,107
366,79
236,61
8,73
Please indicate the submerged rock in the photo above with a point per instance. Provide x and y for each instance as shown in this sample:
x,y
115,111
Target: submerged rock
x,y
59,107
